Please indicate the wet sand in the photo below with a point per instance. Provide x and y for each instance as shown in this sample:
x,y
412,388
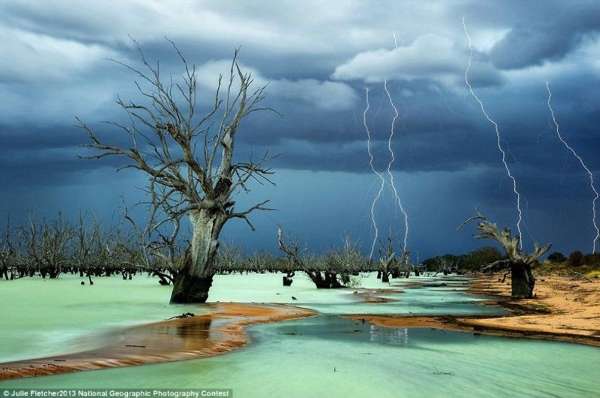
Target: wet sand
x,y
375,296
220,331
564,309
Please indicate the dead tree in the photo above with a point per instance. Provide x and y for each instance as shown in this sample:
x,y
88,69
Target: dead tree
x,y
387,259
344,262
189,158
84,242
405,264
230,259
329,272
155,250
48,245
295,259
519,264
171,255
8,254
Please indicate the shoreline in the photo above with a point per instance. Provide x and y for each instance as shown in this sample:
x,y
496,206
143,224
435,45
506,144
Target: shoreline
x,y
218,332
565,309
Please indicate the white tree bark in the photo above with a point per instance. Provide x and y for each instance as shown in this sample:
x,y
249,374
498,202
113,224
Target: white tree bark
x,y
205,232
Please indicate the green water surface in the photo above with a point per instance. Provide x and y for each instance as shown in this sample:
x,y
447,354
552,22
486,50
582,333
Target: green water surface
x,y
322,356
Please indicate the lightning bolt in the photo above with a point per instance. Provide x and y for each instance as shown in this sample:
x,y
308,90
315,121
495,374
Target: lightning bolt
x,y
581,162
499,141
377,173
391,162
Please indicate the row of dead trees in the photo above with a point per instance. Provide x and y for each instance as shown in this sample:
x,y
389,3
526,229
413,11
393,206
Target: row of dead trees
x,y
50,248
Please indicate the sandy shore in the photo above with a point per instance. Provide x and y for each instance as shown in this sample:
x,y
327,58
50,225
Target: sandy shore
x,y
220,331
565,309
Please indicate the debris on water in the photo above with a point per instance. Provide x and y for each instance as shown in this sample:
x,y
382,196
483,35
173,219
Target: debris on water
x,y
135,345
184,315
294,298
442,373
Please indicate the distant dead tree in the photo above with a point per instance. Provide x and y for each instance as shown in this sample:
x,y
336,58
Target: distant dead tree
x,y
519,264
387,259
230,259
8,253
331,271
82,253
446,264
295,259
189,157
169,253
48,245
343,262
406,266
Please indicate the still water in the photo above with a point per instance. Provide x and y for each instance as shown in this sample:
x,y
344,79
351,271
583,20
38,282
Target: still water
x,y
326,355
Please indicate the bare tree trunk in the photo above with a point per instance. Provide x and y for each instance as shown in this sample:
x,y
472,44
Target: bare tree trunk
x,y
519,262
288,278
385,277
522,281
194,281
325,279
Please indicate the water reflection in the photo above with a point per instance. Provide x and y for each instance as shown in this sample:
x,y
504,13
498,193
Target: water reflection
x,y
388,335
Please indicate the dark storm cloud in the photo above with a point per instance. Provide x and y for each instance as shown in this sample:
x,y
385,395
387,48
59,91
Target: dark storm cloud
x,y
318,57
35,170
551,39
536,31
32,137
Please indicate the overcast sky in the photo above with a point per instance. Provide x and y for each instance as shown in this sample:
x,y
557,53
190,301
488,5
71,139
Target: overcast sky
x,y
318,57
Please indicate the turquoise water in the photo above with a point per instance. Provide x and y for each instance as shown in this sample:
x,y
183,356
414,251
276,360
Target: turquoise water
x,y
45,317
335,357
267,288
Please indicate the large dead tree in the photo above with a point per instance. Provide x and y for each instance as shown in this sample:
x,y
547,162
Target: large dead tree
x,y
518,263
189,157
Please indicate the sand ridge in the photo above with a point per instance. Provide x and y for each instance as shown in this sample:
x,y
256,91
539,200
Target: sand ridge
x,y
221,330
